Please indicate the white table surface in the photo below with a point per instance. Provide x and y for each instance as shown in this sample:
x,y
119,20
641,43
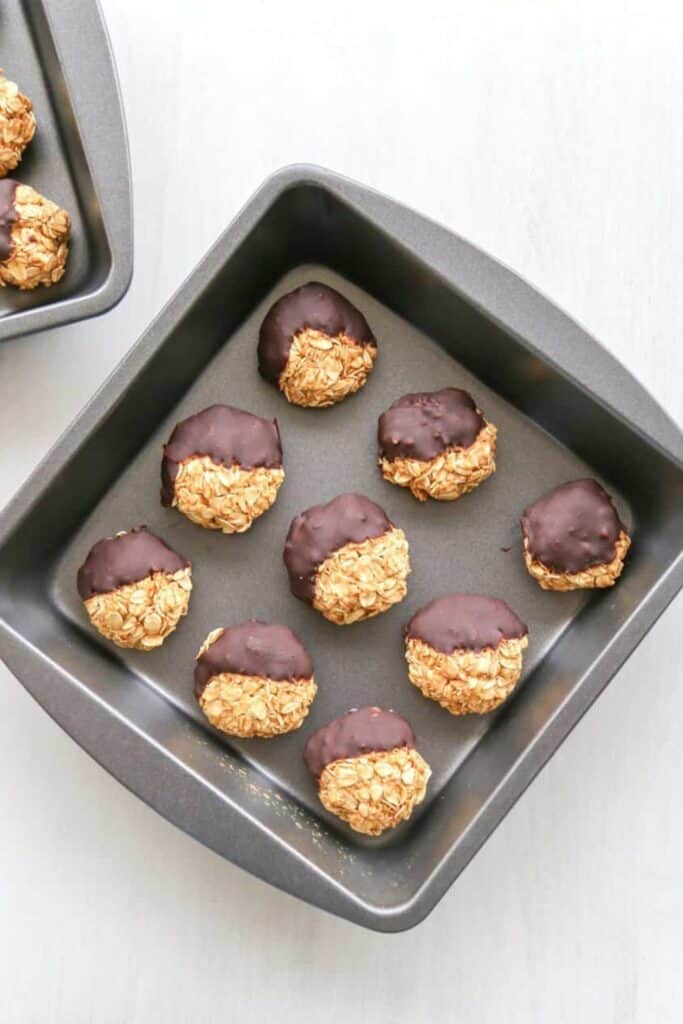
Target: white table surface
x,y
550,134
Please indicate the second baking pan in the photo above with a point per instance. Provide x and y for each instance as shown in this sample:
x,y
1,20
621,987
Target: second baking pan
x,y
59,55
444,313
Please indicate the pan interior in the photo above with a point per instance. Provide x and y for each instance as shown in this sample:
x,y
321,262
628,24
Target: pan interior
x,y
469,545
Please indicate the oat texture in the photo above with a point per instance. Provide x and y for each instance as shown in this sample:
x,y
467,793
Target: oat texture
x,y
17,124
448,475
362,580
249,706
226,498
605,574
466,682
374,792
39,242
321,370
142,614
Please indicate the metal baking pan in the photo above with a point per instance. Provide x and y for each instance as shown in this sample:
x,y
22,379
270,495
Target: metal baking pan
x,y
444,313
59,55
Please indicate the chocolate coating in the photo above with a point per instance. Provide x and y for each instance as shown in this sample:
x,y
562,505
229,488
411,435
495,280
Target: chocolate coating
x,y
315,307
572,527
422,425
318,532
363,731
131,557
8,215
228,436
254,649
465,622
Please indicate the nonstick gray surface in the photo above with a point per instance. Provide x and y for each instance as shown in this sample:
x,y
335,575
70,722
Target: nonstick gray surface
x,y
469,545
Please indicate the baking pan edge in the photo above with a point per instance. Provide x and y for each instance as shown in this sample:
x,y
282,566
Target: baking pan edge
x,y
140,767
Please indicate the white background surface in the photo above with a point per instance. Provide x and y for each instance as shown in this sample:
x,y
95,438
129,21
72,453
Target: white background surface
x,y
551,134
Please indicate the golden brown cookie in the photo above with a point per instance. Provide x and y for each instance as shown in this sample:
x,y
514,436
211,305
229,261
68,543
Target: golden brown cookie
x,y
315,346
465,652
437,443
17,124
573,538
367,769
34,237
347,559
222,468
135,589
254,679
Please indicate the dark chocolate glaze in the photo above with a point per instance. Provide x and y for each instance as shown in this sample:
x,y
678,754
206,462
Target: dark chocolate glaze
x,y
8,215
314,306
254,649
573,527
363,731
465,622
228,436
131,557
422,425
316,534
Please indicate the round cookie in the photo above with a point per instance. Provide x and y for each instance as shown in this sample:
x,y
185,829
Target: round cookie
x,y
315,346
222,468
254,680
17,124
34,237
465,652
573,538
135,588
367,769
347,559
437,443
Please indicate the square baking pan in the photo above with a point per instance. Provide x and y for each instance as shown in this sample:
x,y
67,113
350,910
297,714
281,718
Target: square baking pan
x,y
59,55
444,313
